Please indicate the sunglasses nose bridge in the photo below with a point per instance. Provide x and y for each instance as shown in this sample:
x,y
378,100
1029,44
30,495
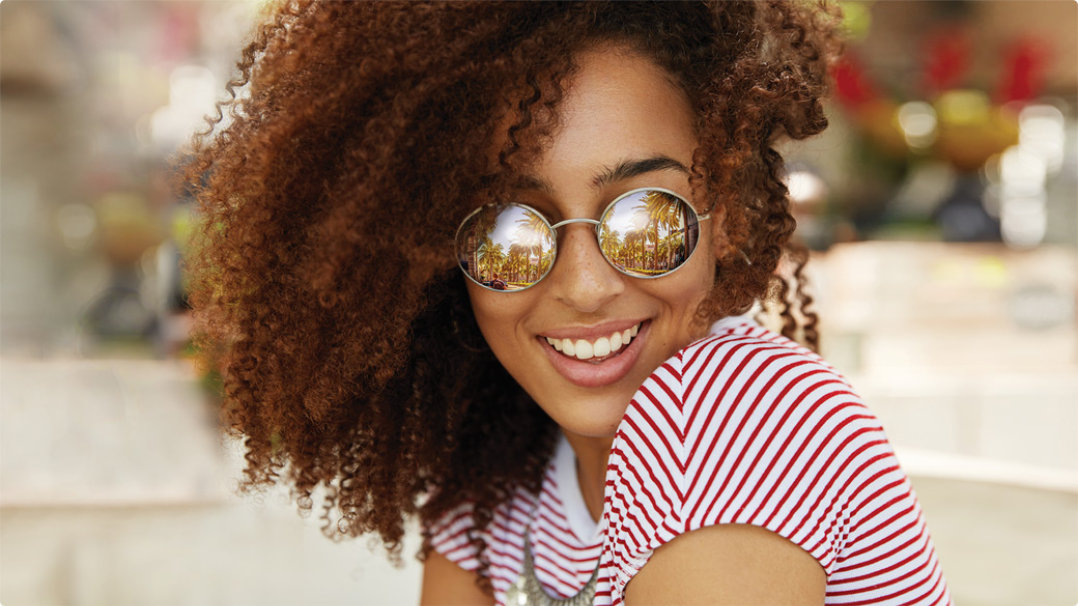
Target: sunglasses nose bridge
x,y
595,224
568,221
582,276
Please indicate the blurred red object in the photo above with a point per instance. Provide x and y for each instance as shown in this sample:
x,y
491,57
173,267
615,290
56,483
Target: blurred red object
x,y
1024,63
945,58
852,86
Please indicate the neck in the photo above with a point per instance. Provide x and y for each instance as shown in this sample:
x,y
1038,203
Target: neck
x,y
591,455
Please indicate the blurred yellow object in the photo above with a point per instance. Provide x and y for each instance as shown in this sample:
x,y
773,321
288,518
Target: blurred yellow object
x,y
963,107
879,120
971,129
127,227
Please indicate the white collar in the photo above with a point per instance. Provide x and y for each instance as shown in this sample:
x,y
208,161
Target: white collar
x,y
588,531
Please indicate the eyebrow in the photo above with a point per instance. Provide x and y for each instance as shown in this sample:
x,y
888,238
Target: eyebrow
x,y
626,169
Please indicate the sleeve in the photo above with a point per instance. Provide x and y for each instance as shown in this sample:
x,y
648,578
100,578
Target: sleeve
x,y
741,429
449,537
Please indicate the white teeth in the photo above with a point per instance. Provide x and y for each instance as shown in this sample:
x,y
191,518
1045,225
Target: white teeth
x,y
600,348
567,347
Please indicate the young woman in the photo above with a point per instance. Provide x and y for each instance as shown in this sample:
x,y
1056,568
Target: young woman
x,y
488,264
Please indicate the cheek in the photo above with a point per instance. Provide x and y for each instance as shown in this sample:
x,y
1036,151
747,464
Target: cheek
x,y
694,283
700,269
697,287
498,315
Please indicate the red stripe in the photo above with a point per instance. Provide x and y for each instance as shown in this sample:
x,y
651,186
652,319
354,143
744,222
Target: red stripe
x,y
585,558
880,492
720,434
567,585
693,352
644,397
560,524
878,577
891,536
827,470
662,431
936,587
753,355
503,579
630,515
835,451
670,482
457,554
635,486
730,440
751,468
747,470
452,538
901,592
676,375
914,554
548,492
515,557
691,368
452,522
804,441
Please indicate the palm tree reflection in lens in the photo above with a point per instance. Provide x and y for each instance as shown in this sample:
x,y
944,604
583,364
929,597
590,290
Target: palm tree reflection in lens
x,y
646,233
506,247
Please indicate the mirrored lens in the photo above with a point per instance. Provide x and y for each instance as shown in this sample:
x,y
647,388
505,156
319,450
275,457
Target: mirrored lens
x,y
648,233
505,247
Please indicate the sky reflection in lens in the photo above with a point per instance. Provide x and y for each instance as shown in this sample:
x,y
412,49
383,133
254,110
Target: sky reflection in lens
x,y
648,233
507,247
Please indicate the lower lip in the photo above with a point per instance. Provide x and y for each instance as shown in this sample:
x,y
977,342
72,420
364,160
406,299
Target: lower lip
x,y
607,372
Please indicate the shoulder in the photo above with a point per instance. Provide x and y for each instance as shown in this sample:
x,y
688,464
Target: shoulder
x,y
451,536
741,363
458,536
743,378
747,427
729,564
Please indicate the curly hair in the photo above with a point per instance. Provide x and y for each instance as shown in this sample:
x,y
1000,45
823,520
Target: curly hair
x,y
357,137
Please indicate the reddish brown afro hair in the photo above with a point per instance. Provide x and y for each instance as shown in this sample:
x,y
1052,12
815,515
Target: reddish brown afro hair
x,y
360,135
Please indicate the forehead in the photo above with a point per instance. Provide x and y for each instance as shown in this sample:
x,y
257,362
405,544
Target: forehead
x,y
618,109
619,106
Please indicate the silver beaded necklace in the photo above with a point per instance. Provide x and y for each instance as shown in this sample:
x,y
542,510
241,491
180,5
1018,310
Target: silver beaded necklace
x,y
527,591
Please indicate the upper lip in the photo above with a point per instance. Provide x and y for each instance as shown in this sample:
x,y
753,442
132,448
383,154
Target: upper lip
x,y
590,333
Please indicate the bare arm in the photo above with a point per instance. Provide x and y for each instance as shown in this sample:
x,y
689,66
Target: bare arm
x,y
445,583
729,564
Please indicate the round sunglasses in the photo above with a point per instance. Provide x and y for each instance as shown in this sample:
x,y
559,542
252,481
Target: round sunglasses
x,y
644,233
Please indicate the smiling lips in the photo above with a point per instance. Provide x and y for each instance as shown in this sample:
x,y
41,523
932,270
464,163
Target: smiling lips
x,y
596,350
597,361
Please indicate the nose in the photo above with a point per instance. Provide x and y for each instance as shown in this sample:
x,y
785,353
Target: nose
x,y
581,278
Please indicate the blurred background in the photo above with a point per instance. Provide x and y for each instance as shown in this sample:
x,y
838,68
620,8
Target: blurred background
x,y
942,208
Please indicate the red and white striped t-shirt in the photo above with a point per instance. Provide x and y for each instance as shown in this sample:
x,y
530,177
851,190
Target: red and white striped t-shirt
x,y
742,427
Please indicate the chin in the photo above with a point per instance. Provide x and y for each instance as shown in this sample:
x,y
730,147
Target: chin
x,y
593,417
